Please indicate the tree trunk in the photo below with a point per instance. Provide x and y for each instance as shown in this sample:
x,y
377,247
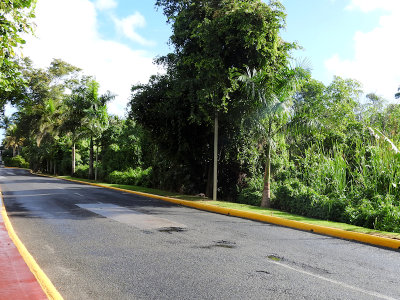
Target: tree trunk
x,y
209,187
73,160
215,174
14,151
91,158
97,156
48,166
55,167
51,167
266,197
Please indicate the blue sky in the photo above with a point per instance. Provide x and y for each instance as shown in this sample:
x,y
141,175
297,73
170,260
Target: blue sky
x,y
325,28
117,40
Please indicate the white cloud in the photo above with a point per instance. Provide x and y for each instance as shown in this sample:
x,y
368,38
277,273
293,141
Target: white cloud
x,y
67,29
376,61
371,5
128,26
105,4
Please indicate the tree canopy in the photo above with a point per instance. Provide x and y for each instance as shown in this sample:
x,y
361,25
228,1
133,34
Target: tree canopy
x,y
212,40
15,19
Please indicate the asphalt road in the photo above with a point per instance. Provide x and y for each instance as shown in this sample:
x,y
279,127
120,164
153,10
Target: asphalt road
x,y
96,243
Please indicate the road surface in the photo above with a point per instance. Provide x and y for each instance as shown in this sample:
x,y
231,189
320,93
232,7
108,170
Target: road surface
x,y
96,243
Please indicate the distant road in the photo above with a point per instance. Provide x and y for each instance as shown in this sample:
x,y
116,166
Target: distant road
x,y
96,243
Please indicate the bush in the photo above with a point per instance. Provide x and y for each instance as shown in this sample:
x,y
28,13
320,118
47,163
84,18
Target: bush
x,y
251,193
379,213
16,161
82,171
294,197
131,176
250,196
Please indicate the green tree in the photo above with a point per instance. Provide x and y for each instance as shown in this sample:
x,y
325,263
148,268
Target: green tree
x,y
15,19
95,121
6,121
86,115
40,108
273,113
13,140
211,40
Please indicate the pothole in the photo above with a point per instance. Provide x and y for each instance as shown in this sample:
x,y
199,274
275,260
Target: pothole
x,y
264,272
303,266
172,229
220,244
275,257
225,244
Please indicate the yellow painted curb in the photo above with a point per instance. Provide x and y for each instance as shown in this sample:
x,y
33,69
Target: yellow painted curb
x,y
47,286
335,232
348,235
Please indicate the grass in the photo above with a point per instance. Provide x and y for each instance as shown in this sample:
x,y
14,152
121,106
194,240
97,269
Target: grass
x,y
246,207
140,189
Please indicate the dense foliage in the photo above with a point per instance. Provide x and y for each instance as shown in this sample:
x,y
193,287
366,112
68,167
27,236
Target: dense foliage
x,y
15,20
323,151
213,42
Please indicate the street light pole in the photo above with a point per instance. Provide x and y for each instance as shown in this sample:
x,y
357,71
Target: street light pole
x,y
215,179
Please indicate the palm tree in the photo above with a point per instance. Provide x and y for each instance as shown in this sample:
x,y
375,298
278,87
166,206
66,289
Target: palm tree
x,y
6,122
273,100
72,122
73,116
13,140
95,121
86,116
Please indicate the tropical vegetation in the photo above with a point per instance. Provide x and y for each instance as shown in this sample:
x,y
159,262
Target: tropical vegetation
x,y
283,139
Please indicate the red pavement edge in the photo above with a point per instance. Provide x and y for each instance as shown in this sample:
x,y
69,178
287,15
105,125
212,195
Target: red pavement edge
x,y
16,279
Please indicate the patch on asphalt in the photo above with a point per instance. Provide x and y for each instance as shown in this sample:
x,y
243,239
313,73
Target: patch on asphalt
x,y
275,257
172,229
220,244
131,217
300,265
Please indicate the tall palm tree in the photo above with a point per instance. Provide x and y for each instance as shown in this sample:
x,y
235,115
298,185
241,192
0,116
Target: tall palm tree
x,y
6,121
273,100
95,121
13,140
86,116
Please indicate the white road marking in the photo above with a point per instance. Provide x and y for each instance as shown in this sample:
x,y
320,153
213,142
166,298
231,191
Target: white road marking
x,y
370,293
3,177
130,217
78,194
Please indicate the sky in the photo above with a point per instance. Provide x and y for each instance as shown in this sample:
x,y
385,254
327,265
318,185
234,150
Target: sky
x,y
116,41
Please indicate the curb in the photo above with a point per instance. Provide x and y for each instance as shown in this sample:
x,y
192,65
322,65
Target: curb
x,y
47,286
329,231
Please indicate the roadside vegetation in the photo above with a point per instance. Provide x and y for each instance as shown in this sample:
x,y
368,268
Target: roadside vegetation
x,y
285,140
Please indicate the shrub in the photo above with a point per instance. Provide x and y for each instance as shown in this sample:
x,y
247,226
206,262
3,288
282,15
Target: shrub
x,y
131,176
379,213
82,171
16,161
294,197
251,193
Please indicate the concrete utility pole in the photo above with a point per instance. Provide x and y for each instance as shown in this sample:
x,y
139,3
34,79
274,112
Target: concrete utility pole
x,y
215,156
1,159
